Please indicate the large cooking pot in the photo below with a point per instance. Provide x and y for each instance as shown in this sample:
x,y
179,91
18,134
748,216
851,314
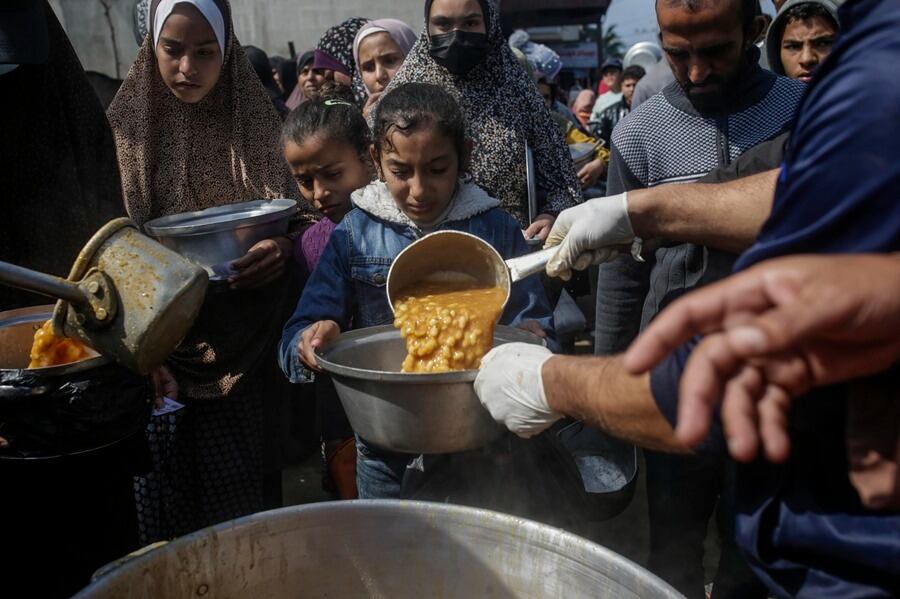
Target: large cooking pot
x,y
61,410
427,413
389,549
76,441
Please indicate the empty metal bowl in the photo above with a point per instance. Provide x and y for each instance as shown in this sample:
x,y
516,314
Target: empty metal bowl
x,y
409,412
216,237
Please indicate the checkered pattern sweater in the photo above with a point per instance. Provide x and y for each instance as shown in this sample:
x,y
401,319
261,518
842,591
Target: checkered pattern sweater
x,y
666,140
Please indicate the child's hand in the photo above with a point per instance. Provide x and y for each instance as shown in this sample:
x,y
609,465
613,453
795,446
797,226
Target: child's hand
x,y
164,385
532,326
318,334
540,228
265,262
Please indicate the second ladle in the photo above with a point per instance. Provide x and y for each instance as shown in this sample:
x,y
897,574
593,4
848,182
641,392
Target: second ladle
x,y
455,255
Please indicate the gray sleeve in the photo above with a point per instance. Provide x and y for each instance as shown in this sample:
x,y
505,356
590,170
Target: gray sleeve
x,y
623,283
620,177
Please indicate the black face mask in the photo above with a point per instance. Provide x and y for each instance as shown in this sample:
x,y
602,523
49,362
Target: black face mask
x,y
459,51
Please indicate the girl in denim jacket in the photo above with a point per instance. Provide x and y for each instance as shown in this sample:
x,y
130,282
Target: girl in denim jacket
x,y
420,152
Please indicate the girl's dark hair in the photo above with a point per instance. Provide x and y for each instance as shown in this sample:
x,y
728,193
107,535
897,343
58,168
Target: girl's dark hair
x,y
333,117
412,107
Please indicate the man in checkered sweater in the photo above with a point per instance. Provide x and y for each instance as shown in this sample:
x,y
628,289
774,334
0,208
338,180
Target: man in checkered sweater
x,y
720,105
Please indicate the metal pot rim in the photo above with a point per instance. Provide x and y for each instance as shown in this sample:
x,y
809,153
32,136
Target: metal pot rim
x,y
507,333
541,536
221,218
39,315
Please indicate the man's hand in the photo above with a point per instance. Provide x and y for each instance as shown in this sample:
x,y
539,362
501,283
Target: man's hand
x,y
540,228
319,334
511,387
773,332
591,172
264,263
590,233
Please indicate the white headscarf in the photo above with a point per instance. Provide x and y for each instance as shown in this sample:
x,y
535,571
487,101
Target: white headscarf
x,y
207,8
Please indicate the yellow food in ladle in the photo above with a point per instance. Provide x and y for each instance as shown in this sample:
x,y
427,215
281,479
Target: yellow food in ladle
x,y
447,325
50,350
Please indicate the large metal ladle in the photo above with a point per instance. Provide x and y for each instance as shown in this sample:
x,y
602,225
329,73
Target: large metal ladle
x,y
127,296
454,255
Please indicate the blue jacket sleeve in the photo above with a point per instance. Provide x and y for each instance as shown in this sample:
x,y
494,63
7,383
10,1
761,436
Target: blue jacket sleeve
x,y
328,295
527,298
664,381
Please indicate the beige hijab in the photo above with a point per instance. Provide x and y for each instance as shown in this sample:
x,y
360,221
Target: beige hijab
x,y
178,157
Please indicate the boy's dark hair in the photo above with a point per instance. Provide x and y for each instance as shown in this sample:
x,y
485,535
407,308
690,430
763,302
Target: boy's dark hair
x,y
635,72
334,116
808,10
413,106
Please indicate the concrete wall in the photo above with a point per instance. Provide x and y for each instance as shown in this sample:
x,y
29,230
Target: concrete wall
x,y
92,25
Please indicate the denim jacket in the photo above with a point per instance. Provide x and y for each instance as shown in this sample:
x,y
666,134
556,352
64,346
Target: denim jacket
x,y
348,285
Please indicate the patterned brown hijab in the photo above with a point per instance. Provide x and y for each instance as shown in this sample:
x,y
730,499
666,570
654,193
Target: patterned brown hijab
x,y
178,157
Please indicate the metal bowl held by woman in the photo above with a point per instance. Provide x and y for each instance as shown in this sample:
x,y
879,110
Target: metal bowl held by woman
x,y
426,413
362,549
216,237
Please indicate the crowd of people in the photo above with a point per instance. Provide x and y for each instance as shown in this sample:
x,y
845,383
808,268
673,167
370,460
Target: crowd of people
x,y
751,140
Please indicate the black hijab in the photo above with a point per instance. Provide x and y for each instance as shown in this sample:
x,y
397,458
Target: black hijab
x,y
287,72
60,179
260,62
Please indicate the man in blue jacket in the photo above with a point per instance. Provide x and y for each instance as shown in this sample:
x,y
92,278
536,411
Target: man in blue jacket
x,y
801,524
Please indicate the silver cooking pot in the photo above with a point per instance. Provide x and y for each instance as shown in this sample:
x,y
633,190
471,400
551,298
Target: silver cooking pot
x,y
428,413
385,549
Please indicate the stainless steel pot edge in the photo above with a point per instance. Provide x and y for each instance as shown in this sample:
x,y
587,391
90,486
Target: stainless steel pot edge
x,y
167,226
503,332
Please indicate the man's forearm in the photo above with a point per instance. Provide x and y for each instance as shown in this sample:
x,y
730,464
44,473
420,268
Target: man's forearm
x,y
600,392
725,216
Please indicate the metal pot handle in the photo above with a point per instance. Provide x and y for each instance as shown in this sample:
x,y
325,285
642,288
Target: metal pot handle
x,y
529,264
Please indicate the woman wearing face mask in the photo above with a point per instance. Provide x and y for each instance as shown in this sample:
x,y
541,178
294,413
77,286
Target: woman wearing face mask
x,y
463,50
379,50
194,128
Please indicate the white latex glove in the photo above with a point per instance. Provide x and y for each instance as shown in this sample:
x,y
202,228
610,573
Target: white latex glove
x,y
510,386
590,233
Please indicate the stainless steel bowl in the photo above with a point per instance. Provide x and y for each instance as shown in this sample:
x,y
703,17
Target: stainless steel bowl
x,y
365,549
409,412
215,237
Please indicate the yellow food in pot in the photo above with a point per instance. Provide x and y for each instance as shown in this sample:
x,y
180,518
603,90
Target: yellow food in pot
x,y
447,325
50,350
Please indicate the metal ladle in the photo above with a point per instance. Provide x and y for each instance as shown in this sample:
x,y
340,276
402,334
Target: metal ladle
x,y
127,296
459,256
